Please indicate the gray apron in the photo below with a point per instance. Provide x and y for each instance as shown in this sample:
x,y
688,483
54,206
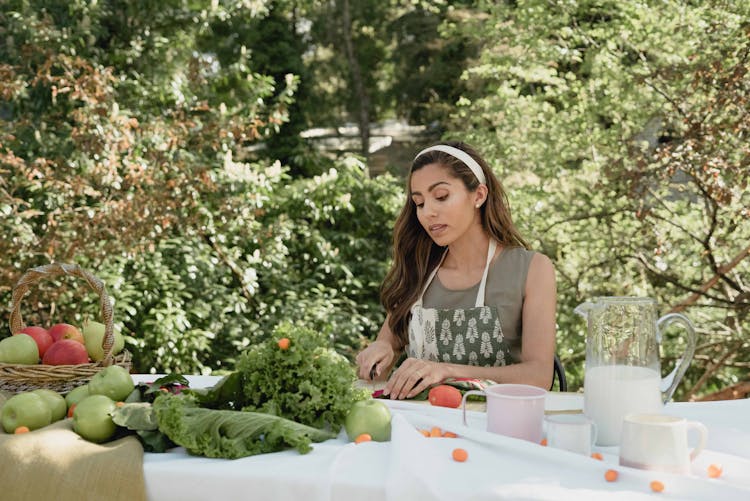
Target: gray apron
x,y
469,336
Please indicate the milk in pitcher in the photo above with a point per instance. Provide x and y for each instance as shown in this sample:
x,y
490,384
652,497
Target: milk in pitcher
x,y
612,391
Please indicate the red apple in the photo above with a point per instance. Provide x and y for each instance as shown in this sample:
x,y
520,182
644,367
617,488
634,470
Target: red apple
x,y
65,331
66,352
40,335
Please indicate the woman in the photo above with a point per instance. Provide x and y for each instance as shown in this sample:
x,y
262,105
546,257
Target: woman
x,y
464,297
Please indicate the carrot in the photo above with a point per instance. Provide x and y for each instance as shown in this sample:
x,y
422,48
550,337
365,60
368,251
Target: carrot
x,y
70,410
119,404
597,455
656,486
543,442
610,475
436,432
460,455
284,343
21,429
426,433
364,437
449,434
715,470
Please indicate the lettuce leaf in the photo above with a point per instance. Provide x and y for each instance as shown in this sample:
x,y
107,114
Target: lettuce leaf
x,y
228,433
308,382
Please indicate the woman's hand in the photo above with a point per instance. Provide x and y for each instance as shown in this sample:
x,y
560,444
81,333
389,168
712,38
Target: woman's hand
x,y
379,354
412,377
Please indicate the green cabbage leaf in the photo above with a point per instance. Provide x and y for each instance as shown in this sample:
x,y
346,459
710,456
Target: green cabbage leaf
x,y
230,434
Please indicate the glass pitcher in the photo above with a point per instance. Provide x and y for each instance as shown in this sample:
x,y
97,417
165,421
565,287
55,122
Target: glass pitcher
x,y
623,371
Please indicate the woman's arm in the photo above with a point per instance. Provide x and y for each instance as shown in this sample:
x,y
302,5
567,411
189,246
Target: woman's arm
x,y
383,351
537,344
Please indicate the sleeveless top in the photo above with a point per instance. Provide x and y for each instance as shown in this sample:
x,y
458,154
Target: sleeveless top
x,y
480,325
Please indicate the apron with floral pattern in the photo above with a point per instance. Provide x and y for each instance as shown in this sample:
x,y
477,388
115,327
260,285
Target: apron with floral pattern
x,y
469,336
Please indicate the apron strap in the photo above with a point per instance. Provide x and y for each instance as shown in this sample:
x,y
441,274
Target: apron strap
x,y
482,285
429,279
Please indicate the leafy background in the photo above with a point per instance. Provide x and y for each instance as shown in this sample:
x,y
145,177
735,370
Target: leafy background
x,y
159,145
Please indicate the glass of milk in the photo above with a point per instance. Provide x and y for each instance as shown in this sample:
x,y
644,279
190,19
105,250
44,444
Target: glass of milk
x,y
623,372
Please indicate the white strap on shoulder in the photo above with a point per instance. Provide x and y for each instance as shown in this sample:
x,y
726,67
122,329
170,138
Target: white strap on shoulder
x,y
482,285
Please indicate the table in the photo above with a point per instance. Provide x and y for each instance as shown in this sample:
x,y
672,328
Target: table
x,y
412,467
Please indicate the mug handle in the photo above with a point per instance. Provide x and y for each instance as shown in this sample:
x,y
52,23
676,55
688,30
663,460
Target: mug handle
x,y
703,432
463,400
686,358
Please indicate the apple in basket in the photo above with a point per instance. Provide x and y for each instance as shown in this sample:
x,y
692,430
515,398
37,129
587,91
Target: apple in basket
x,y
92,418
19,349
93,336
40,335
65,331
66,352
25,409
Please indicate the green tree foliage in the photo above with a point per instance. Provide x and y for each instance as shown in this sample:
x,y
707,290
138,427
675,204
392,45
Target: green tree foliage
x,y
118,142
429,56
370,60
620,129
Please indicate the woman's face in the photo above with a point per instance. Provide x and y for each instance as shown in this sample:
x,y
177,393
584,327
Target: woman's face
x,y
445,208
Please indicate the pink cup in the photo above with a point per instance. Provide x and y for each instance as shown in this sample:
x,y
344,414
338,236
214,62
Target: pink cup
x,y
514,410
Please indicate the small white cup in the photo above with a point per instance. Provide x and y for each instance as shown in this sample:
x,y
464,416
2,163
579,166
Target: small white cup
x,y
571,432
659,442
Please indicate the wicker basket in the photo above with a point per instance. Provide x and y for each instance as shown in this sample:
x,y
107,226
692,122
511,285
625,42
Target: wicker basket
x,y
16,378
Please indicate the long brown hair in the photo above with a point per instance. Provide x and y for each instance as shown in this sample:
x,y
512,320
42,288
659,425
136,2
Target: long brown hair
x,y
414,252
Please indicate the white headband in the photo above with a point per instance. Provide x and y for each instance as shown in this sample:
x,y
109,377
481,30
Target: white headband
x,y
461,155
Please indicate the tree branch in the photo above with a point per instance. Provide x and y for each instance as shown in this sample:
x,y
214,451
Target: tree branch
x,y
712,281
236,271
731,351
734,392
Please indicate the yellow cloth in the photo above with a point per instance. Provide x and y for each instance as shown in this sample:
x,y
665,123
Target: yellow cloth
x,y
54,463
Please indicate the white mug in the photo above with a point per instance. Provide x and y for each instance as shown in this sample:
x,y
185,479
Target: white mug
x,y
571,432
659,442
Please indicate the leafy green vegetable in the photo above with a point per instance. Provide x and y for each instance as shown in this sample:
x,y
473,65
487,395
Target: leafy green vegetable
x,y
154,441
135,416
230,434
309,382
226,394
140,417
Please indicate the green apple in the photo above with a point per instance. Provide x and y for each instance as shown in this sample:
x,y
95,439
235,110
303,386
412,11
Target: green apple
x,y
369,416
92,418
40,335
25,409
76,395
54,401
19,349
93,336
113,381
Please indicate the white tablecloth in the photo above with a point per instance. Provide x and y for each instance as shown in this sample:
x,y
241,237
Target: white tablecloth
x,y
413,467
